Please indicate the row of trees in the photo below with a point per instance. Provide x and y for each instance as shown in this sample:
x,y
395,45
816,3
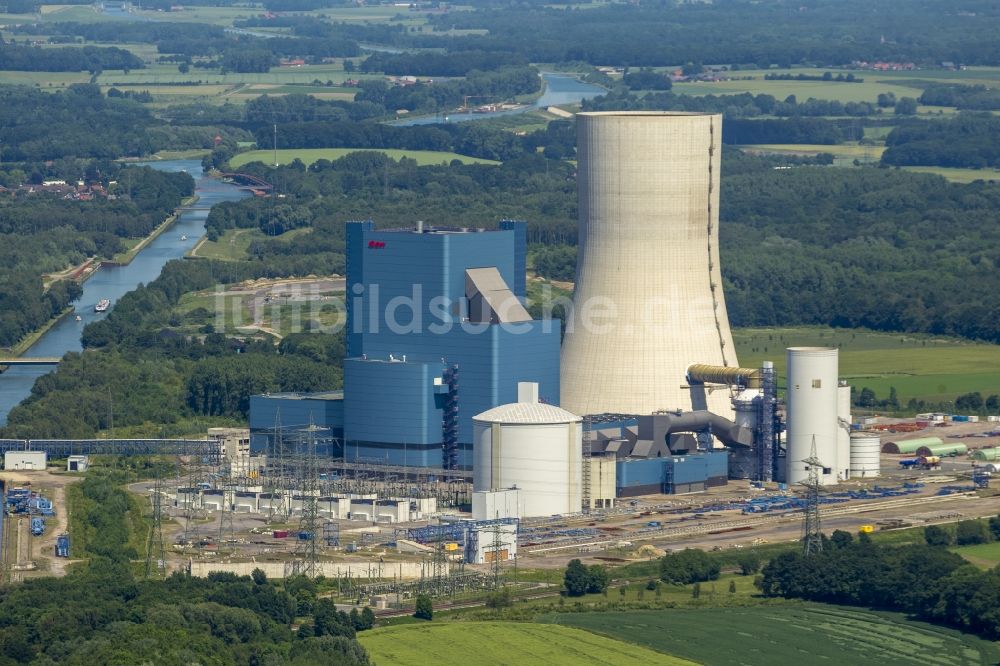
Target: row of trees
x,y
497,85
737,106
928,581
23,58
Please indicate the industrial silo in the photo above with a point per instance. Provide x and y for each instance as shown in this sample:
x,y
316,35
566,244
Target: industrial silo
x,y
865,448
648,301
843,431
811,401
743,460
534,447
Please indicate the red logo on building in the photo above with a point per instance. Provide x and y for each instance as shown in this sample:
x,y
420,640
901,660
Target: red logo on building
x,y
375,245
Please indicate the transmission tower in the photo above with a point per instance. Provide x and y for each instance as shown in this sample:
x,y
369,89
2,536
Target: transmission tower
x,y
497,547
812,536
279,507
439,566
192,495
227,532
308,478
156,560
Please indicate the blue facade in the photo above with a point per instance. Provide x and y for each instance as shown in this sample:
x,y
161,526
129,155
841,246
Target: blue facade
x,y
403,282
292,411
406,325
672,474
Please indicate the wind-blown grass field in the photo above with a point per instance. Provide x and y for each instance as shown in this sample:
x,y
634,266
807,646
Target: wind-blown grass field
x,y
502,644
790,634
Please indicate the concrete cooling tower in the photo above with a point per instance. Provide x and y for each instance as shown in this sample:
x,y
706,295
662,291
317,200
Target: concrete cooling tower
x,y
648,300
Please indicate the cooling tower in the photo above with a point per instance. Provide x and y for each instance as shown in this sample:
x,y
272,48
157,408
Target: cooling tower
x,y
648,300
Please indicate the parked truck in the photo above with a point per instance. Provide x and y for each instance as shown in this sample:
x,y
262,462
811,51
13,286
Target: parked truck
x,y
62,545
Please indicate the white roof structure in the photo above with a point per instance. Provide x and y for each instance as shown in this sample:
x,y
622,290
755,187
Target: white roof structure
x,y
527,412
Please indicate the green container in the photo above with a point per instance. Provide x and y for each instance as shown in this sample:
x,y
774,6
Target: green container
x,y
986,455
911,445
943,450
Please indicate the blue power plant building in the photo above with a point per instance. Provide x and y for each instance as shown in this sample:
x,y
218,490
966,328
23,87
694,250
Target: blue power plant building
x,y
437,332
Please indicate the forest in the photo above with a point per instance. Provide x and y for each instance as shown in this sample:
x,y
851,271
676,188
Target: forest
x,y
152,375
43,234
928,581
80,121
783,32
876,248
968,140
963,97
20,57
103,613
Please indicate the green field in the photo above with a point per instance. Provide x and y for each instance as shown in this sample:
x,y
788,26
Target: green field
x,y
233,244
843,154
793,634
902,84
501,644
986,555
921,367
310,155
959,175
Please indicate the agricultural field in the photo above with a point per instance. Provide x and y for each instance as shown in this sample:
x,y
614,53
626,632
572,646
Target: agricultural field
x,y
958,175
867,91
843,154
922,367
985,555
502,643
789,634
310,155
902,84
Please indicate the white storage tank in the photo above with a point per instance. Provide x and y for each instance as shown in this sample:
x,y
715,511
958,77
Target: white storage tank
x,y
812,412
843,431
865,448
531,446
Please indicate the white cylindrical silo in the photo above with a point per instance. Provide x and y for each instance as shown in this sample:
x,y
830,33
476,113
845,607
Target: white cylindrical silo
x,y
843,432
648,301
865,448
534,447
812,412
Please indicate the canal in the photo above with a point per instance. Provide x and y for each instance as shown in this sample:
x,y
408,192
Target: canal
x,y
116,281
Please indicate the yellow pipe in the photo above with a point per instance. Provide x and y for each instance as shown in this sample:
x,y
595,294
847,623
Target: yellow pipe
x,y
717,374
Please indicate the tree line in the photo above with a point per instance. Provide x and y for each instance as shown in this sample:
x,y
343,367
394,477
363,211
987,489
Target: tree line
x,y
927,581
93,59
968,140
963,97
